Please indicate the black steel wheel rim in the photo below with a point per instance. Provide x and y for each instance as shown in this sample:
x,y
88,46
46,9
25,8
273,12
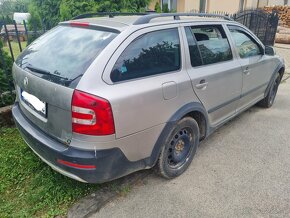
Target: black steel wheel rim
x,y
180,147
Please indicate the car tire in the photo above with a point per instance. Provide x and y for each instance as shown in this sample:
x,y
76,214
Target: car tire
x,y
179,148
269,100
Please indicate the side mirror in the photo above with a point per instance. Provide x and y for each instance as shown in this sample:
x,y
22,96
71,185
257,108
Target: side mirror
x,y
269,50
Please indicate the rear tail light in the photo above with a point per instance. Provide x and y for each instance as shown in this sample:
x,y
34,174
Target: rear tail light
x,y
91,115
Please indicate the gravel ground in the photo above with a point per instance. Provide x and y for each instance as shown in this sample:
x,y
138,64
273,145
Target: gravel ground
x,y
242,170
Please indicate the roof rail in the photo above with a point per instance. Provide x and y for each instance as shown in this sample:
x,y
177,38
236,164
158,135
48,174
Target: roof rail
x,y
110,14
176,16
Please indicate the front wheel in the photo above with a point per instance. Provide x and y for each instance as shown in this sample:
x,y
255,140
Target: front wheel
x,y
268,101
179,149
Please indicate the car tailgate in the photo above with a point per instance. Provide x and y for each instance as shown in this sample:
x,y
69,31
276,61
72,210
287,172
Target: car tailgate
x,y
56,121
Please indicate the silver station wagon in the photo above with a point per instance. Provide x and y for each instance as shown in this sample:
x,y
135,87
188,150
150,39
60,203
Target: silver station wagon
x,y
100,97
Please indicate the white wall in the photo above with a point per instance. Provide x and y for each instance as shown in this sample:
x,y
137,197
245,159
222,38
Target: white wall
x,y
277,2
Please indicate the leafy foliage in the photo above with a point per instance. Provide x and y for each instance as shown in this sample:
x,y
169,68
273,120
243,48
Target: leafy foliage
x,y
72,8
54,11
5,78
157,7
8,7
46,12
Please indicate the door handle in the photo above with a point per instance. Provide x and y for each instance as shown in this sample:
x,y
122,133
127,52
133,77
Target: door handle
x,y
202,84
246,71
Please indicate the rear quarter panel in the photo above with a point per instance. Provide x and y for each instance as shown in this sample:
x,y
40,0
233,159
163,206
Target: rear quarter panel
x,y
137,104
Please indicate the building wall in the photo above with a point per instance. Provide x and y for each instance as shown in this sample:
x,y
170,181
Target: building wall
x,y
152,4
277,2
180,5
262,3
191,5
231,6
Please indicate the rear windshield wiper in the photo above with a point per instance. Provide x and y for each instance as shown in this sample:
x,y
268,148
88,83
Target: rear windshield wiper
x,y
38,70
44,72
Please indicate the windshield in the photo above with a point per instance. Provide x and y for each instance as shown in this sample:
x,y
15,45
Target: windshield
x,y
63,54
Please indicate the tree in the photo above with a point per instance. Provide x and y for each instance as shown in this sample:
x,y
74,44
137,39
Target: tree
x,y
45,10
5,78
53,11
8,7
72,8
165,8
157,7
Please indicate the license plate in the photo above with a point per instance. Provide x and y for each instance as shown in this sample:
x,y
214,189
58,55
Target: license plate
x,y
34,103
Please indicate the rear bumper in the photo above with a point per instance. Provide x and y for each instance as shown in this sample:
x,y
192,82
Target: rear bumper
x,y
110,163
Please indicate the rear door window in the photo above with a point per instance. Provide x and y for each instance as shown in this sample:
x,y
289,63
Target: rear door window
x,y
63,54
194,52
150,54
212,43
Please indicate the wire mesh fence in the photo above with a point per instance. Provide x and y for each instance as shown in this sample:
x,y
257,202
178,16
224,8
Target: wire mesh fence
x,y
14,37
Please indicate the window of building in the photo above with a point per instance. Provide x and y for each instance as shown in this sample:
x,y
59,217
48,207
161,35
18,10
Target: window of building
x,y
247,47
171,5
202,5
150,54
212,43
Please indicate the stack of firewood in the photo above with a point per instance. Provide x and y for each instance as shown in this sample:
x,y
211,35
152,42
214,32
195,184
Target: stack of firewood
x,y
283,12
283,31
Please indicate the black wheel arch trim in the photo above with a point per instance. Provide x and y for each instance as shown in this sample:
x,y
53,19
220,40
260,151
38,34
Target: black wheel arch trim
x,y
188,108
272,80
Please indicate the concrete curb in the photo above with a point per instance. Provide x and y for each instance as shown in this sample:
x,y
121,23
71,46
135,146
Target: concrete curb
x,y
92,203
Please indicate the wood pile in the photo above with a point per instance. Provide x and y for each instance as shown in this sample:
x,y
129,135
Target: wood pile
x,y
282,38
283,31
283,12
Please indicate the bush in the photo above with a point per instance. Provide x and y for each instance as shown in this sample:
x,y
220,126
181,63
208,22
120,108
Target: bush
x,y
165,8
6,84
157,7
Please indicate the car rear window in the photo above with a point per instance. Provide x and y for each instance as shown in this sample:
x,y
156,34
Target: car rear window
x,y
63,54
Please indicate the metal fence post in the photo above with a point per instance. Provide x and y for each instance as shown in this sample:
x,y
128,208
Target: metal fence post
x,y
8,40
26,32
17,35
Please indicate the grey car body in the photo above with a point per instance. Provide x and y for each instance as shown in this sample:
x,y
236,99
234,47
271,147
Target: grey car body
x,y
144,108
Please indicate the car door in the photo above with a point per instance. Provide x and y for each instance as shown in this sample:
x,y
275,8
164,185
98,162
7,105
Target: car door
x,y
257,67
214,72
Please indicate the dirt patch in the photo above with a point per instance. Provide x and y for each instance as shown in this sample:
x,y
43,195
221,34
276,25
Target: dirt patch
x,y
6,116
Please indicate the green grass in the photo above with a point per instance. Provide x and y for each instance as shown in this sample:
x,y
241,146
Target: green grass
x,y
28,187
15,48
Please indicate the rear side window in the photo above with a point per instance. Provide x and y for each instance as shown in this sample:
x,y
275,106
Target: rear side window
x,y
150,54
212,44
247,47
64,53
193,49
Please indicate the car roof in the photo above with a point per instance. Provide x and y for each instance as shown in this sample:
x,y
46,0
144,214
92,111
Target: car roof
x,y
121,23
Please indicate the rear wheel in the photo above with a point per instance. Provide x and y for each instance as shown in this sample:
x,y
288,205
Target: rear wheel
x,y
268,101
179,149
